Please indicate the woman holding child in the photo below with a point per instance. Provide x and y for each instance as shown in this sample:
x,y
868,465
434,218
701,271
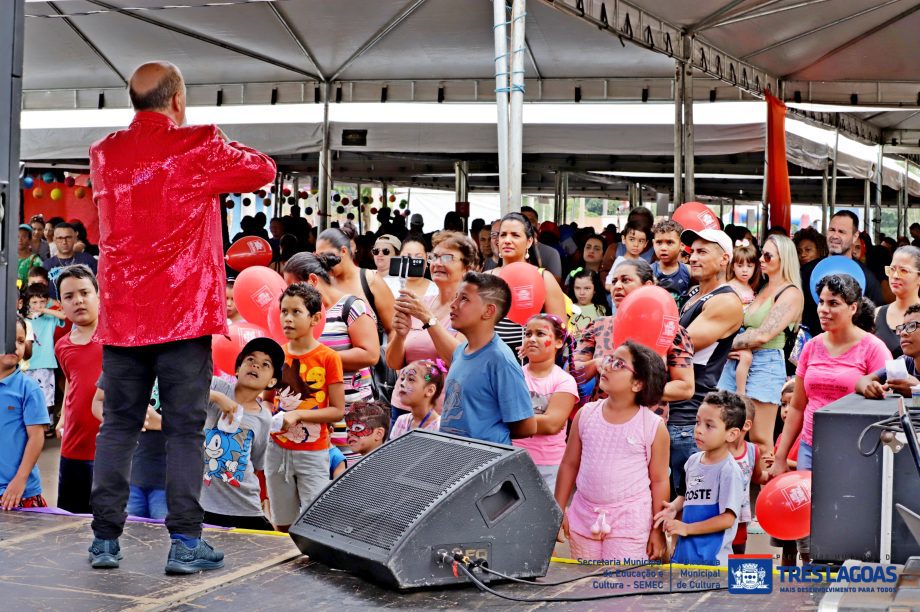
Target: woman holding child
x,y
756,367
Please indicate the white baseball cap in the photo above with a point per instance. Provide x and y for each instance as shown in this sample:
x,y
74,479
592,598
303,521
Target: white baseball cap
x,y
709,235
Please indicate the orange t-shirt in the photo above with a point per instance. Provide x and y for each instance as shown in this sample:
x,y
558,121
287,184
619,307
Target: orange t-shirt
x,y
304,385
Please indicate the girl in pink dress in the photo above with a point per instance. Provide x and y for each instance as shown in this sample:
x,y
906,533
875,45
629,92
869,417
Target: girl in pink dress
x,y
617,457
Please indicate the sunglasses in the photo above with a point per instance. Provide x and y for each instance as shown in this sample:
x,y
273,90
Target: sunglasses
x,y
907,328
444,258
767,257
383,251
898,272
615,363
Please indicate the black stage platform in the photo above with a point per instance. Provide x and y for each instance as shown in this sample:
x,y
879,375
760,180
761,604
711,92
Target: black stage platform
x,y
44,566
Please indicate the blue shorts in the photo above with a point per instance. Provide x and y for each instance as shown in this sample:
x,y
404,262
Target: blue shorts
x,y
766,376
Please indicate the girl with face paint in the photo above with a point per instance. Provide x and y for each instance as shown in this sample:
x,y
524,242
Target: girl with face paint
x,y
420,386
553,392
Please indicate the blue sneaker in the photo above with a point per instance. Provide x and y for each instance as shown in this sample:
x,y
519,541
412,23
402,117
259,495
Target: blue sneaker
x,y
185,560
104,554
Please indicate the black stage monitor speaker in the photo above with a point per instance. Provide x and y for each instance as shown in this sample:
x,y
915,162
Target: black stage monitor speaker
x,y
846,490
397,513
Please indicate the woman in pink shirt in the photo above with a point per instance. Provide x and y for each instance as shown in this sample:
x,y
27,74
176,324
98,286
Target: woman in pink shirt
x,y
829,367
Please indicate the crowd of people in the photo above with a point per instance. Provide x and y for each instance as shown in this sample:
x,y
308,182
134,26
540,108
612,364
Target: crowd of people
x,y
649,456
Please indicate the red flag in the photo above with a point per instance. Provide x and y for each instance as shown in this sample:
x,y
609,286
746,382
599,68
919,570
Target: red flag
x,y
779,195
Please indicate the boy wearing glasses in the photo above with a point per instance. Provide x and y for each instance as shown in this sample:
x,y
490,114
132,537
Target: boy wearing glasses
x,y
877,384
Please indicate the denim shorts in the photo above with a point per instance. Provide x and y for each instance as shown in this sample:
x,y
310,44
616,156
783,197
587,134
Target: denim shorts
x,y
765,378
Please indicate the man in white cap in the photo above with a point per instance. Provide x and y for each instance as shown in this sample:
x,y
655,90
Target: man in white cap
x,y
712,316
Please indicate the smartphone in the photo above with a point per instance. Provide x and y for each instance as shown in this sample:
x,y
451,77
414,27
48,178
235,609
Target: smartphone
x,y
407,267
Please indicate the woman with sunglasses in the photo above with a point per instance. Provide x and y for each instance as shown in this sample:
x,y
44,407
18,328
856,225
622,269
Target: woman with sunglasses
x,y
596,342
385,248
904,280
776,308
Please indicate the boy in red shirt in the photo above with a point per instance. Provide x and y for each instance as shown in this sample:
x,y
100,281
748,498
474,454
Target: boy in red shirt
x,y
81,361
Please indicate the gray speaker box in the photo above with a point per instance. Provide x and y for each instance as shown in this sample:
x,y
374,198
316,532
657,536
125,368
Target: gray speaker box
x,y
846,491
394,515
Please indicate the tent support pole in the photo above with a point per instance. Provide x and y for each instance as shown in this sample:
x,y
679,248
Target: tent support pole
x,y
867,209
12,33
558,204
689,182
516,136
833,208
462,185
501,100
325,170
824,200
678,135
878,194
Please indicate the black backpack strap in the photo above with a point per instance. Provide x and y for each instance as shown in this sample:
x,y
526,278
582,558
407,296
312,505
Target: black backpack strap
x,y
346,308
366,288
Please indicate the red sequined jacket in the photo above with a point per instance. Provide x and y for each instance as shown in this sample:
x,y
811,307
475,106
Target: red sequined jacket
x,y
161,266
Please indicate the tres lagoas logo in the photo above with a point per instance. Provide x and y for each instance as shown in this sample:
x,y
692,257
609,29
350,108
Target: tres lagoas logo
x,y
750,574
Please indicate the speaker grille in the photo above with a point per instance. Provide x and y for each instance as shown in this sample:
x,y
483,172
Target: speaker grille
x,y
405,478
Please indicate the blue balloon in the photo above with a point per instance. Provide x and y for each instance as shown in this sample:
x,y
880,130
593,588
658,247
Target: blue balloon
x,y
48,177
27,182
836,264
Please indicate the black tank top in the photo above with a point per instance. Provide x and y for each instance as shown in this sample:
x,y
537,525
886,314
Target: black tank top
x,y
886,334
707,362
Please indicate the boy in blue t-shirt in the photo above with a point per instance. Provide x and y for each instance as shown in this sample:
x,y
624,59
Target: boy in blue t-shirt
x,y
44,322
22,431
711,501
485,395
670,273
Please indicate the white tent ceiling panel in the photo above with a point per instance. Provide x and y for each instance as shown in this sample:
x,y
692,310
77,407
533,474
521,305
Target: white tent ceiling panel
x,y
889,54
750,36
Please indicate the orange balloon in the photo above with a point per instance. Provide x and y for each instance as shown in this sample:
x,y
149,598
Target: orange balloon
x,y
38,193
79,192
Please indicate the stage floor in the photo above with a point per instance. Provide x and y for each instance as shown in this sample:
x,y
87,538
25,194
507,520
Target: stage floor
x,y
44,566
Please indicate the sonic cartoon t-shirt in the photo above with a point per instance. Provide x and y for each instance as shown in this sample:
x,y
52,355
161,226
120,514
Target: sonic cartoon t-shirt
x,y
304,385
231,459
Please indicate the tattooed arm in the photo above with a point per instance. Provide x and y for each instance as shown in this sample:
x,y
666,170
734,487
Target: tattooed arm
x,y
786,310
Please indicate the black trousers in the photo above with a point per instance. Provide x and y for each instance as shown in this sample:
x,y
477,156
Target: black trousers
x,y
75,480
183,369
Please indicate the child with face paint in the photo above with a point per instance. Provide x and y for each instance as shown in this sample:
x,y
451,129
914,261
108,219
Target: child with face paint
x,y
420,386
553,393
368,424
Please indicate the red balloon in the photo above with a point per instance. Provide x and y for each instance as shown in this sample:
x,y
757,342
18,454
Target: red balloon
x,y
648,316
254,291
528,292
248,251
784,506
696,216
225,350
